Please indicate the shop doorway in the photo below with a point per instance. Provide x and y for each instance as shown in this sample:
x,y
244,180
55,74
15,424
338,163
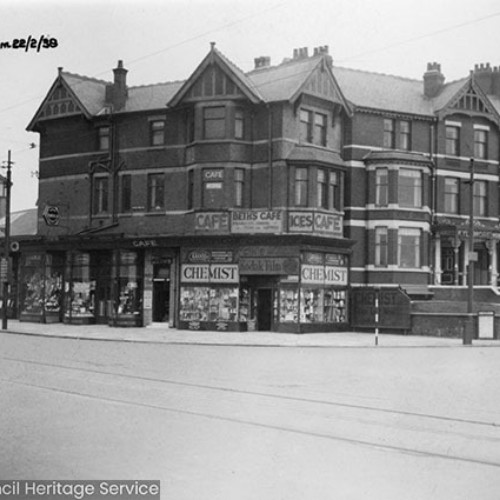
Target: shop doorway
x,y
264,309
161,293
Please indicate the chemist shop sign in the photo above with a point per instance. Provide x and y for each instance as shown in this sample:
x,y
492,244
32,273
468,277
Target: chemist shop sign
x,y
323,275
257,221
315,222
210,273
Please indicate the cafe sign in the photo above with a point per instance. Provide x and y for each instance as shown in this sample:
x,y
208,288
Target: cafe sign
x,y
315,222
211,222
257,221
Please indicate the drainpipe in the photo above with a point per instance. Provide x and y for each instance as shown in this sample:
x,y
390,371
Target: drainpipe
x,y
270,153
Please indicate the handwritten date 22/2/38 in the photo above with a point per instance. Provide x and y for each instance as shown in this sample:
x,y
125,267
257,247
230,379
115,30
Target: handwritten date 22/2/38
x,y
31,43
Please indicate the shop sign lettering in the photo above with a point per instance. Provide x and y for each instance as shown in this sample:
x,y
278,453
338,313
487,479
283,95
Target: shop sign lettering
x,y
257,221
199,256
270,265
213,174
315,222
144,243
212,222
323,275
209,273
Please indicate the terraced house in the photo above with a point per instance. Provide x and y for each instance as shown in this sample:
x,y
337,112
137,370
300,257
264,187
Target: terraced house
x,y
240,200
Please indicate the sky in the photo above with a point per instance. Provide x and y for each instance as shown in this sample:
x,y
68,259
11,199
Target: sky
x,y
165,40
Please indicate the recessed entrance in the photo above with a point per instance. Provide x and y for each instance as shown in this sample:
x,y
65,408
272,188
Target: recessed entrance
x,y
161,293
264,309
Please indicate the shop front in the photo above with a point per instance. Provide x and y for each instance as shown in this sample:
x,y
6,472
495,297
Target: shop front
x,y
267,288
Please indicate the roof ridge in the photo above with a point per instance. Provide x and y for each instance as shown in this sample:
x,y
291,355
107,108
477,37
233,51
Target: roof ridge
x,y
399,77
285,62
84,77
156,84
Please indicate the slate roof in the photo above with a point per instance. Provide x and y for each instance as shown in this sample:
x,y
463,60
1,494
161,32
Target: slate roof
x,y
22,223
362,89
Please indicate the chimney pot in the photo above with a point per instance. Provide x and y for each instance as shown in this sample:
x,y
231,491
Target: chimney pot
x,y
433,80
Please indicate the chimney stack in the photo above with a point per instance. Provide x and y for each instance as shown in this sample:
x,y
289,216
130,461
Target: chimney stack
x,y
300,53
262,62
117,92
433,80
486,77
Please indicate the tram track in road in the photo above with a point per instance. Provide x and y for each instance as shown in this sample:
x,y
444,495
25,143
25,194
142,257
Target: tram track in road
x,y
257,393
267,426
393,430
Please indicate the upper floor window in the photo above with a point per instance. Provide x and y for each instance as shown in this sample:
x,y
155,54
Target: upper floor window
x,y
103,138
157,131
100,195
320,129
389,133
313,127
239,123
239,185
451,195
214,122
452,140
190,189
480,198
328,186
126,185
381,187
405,135
410,188
306,125
480,144
301,186
381,246
409,247
156,192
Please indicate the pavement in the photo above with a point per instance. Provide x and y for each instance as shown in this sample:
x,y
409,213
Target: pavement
x,y
161,333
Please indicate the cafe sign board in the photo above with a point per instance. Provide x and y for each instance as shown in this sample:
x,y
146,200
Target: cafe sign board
x,y
257,221
315,222
211,222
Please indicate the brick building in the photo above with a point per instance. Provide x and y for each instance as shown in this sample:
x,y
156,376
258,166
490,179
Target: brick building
x,y
233,198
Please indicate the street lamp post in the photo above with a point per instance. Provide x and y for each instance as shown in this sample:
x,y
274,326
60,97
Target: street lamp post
x,y
7,183
470,327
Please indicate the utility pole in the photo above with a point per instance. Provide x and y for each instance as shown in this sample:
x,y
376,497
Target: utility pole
x,y
5,271
469,330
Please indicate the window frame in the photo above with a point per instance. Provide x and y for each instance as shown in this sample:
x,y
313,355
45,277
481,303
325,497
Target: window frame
x,y
301,187
104,138
381,188
381,246
415,248
157,134
214,127
126,193
239,123
405,135
480,198
100,196
480,144
452,140
320,129
417,187
239,187
156,192
451,196
389,133
306,125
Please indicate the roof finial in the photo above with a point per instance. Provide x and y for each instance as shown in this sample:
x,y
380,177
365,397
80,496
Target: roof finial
x,y
59,70
212,45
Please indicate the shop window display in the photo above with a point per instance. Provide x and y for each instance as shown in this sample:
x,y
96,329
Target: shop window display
x,y
335,306
209,304
129,285
80,289
289,305
312,305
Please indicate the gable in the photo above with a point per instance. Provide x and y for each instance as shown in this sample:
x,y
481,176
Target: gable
x,y
60,102
321,84
471,101
213,82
